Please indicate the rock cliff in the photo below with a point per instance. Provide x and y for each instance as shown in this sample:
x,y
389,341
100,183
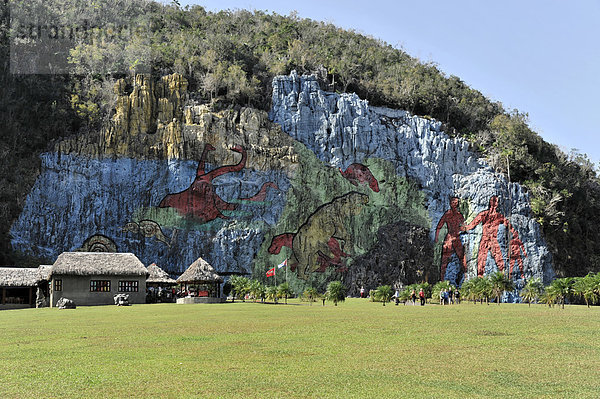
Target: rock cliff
x,y
342,129
340,189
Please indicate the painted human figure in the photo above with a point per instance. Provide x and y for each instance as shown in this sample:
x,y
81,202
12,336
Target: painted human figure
x,y
516,246
452,244
490,220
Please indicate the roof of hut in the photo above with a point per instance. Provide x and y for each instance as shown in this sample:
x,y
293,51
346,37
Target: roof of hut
x,y
19,276
44,272
200,272
158,275
98,263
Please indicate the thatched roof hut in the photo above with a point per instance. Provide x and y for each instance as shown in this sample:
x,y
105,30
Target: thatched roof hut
x,y
158,276
98,263
18,284
45,271
19,277
200,272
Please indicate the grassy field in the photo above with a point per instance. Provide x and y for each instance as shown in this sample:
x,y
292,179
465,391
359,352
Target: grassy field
x,y
358,349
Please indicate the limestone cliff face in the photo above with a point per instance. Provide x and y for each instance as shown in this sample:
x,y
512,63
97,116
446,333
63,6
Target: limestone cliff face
x,y
339,189
107,186
342,129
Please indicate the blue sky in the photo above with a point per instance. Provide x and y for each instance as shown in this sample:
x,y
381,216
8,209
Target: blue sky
x,y
541,57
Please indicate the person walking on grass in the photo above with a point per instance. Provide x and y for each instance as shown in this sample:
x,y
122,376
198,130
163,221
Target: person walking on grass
x,y
413,297
422,297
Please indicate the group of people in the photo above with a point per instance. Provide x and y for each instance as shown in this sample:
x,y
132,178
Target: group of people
x,y
449,296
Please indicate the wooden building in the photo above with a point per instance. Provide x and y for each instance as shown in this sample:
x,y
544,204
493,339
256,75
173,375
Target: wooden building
x,y
94,278
18,286
202,282
159,285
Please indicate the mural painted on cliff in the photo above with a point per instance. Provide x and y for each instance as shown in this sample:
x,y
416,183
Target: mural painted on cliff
x,y
489,244
342,130
454,221
77,197
316,244
394,171
334,215
200,201
98,243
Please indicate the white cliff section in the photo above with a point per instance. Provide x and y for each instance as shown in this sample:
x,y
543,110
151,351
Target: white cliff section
x,y
342,129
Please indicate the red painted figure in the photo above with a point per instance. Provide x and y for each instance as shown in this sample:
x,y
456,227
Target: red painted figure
x,y
452,244
360,174
516,246
490,220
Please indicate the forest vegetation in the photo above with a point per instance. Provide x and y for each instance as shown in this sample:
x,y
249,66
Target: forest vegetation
x,y
230,58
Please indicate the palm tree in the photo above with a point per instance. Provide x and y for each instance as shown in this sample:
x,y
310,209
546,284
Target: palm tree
x,y
240,286
532,290
468,290
284,291
383,293
483,289
405,296
336,292
500,283
271,293
549,296
256,289
311,294
562,287
585,287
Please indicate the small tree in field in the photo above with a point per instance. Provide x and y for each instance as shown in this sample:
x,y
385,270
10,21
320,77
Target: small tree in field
x,y
383,293
271,293
500,283
310,294
585,287
284,291
336,292
562,287
256,289
240,286
532,290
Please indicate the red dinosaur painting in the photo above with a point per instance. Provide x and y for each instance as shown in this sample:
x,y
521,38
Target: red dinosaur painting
x,y
360,174
316,244
200,201
285,240
454,221
490,220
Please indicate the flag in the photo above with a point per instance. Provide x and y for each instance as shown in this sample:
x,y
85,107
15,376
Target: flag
x,y
271,272
282,264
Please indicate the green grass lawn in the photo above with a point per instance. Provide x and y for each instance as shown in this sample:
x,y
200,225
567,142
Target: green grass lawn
x,y
251,350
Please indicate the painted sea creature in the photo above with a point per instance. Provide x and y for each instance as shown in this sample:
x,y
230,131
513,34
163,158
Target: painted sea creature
x,y
200,200
147,228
